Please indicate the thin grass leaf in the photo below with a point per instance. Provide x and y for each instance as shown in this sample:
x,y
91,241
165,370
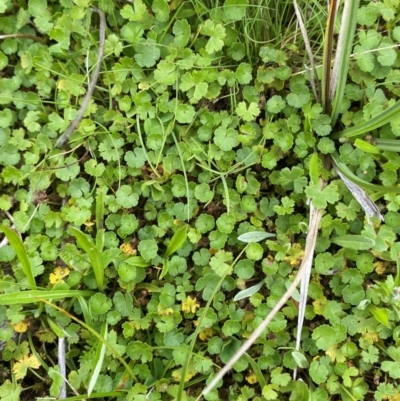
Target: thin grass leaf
x,y
255,236
304,285
37,354
32,297
361,196
390,145
256,369
19,248
58,331
106,395
184,173
342,58
165,268
87,314
361,183
87,244
139,132
98,358
100,239
375,122
100,207
248,292
148,287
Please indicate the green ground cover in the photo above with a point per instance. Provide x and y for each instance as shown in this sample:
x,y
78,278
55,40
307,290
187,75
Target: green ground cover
x,y
169,169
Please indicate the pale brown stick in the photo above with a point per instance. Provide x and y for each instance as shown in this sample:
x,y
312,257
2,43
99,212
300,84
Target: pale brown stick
x,y
74,124
315,218
23,36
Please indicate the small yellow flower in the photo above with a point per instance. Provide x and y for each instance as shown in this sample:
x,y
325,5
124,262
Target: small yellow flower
x,y
21,367
295,255
21,327
206,334
319,305
58,274
371,337
380,267
190,305
165,312
251,378
127,249
177,374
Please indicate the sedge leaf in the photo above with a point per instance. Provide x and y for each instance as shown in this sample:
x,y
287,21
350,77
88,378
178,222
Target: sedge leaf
x,y
87,244
32,297
20,250
99,358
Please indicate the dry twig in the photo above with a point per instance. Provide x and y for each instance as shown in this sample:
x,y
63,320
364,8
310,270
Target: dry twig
x,y
74,124
315,218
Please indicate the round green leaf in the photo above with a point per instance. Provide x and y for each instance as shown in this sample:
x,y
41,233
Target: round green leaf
x,y
100,304
148,249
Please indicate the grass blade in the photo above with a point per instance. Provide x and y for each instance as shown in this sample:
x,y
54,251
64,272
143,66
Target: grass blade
x,y
375,122
87,314
361,183
361,197
87,244
19,248
99,358
256,370
391,145
31,297
342,57
100,207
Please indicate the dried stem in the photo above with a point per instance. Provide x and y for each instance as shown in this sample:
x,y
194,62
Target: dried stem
x,y
23,36
74,124
315,218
